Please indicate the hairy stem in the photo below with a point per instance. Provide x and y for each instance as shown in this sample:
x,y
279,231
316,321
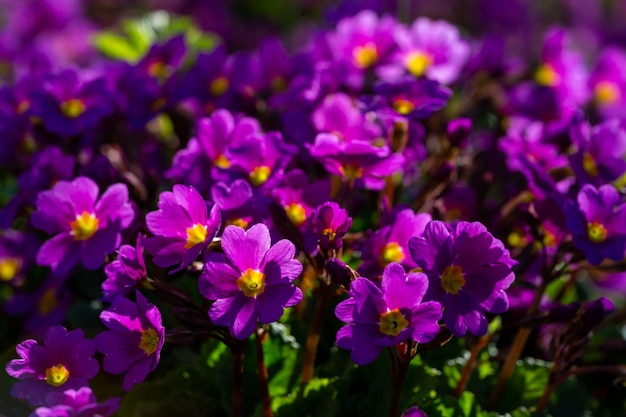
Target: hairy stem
x,y
262,371
469,365
402,361
313,337
237,350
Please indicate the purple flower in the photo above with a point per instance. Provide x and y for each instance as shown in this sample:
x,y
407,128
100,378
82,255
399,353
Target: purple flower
x,y
598,223
126,273
87,229
70,103
599,158
428,48
182,227
361,42
378,318
414,412
251,281
338,114
413,98
76,403
133,343
330,223
608,82
358,162
206,156
390,243
65,361
17,253
468,270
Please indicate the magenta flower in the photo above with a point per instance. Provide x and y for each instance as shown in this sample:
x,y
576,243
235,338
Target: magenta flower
x,y
76,403
65,361
251,281
378,318
468,270
359,162
133,343
607,81
126,273
390,243
598,223
414,412
181,227
428,48
330,223
87,229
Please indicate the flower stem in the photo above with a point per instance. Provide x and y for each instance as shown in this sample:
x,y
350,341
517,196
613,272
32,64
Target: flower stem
x,y
237,350
262,370
402,361
469,365
516,350
313,337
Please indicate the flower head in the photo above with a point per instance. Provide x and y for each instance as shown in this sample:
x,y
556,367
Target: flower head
x,y
598,223
126,273
86,228
468,270
182,227
386,316
133,343
330,223
65,361
251,281
76,403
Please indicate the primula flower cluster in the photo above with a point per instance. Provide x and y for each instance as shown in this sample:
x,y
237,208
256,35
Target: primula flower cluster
x,y
423,177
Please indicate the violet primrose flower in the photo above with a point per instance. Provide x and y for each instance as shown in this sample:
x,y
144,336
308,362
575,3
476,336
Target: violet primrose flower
x,y
469,271
65,361
86,228
330,223
126,273
76,403
133,343
251,281
378,318
598,223
181,227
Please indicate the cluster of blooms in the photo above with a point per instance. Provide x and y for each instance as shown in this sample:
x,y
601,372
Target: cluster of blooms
x,y
362,157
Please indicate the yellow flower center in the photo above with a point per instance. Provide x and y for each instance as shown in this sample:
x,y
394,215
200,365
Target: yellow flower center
x,y
547,76
219,86
596,232
149,341
251,282
517,238
452,279
260,174
23,106
330,233
392,322
403,106
57,375
296,213
195,234
392,252
73,108
84,226
417,63
157,69
9,267
48,301
222,162
606,92
238,222
351,172
589,164
365,55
